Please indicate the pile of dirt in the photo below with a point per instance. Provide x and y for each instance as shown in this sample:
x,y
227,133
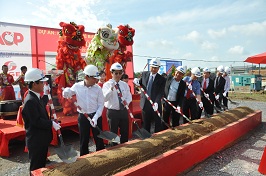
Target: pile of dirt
x,y
123,157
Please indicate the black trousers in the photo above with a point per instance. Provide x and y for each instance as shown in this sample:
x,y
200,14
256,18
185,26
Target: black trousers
x,y
148,115
167,111
37,156
225,100
118,119
219,101
208,107
190,106
84,134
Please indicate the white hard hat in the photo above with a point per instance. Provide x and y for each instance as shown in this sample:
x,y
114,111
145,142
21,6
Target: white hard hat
x,y
91,71
180,69
227,70
206,69
116,66
155,62
196,71
34,74
220,69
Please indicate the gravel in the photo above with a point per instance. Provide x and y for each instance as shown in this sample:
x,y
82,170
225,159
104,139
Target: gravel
x,y
241,158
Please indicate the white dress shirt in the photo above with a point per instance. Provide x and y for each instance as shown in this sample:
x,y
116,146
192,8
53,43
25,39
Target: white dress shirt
x,y
207,82
227,84
111,96
90,99
173,90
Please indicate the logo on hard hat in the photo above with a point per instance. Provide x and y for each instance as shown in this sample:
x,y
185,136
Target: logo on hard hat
x,y
11,65
118,66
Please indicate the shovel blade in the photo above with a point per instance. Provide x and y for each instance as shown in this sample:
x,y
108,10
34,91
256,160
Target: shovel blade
x,y
110,136
142,133
66,153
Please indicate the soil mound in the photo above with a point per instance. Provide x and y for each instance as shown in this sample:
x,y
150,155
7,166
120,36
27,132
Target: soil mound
x,y
123,157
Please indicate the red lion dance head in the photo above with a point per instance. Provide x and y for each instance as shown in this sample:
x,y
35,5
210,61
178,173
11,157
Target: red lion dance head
x,y
125,38
69,60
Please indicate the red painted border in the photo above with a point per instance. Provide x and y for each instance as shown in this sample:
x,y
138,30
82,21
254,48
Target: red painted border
x,y
184,157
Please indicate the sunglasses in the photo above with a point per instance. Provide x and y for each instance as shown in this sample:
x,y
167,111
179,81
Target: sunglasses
x,y
118,73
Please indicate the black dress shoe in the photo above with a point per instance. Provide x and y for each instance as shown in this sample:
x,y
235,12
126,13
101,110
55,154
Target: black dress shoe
x,y
48,161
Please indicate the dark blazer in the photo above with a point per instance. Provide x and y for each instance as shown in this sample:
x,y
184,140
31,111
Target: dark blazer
x,y
210,89
157,88
37,124
220,86
180,92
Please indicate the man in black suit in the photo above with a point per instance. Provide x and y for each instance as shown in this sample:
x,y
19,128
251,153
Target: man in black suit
x,y
153,83
37,124
219,83
207,85
174,92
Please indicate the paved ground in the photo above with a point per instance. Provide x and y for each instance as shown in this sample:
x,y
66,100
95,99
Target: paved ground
x,y
240,159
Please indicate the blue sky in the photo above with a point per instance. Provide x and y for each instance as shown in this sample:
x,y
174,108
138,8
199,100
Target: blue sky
x,y
205,33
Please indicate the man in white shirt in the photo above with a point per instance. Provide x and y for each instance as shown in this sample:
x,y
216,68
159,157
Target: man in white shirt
x,y
174,92
227,71
90,98
116,112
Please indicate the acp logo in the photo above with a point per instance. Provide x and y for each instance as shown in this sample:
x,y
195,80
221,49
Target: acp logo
x,y
11,65
10,38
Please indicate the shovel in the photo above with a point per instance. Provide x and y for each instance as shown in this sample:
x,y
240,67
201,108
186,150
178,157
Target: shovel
x,y
232,102
152,104
175,108
65,152
140,132
108,135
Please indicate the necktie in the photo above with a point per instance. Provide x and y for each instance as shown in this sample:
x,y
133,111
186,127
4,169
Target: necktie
x,y
150,85
189,92
205,84
121,106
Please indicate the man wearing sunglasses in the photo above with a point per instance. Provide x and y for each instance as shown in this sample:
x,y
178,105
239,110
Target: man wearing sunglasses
x,y
116,112
90,98
37,124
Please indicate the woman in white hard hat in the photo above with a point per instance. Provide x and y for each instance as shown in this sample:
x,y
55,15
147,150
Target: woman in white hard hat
x,y
190,105
37,124
154,84
90,98
116,112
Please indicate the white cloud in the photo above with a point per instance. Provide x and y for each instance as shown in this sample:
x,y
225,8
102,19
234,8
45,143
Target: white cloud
x,y
216,34
160,44
192,36
254,28
187,56
206,45
236,50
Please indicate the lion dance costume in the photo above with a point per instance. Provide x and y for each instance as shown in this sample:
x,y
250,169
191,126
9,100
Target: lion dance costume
x,y
69,60
102,46
125,38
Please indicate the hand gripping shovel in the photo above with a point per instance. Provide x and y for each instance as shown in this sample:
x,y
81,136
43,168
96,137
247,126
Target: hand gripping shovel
x,y
175,108
206,96
151,102
206,114
140,132
222,106
65,152
108,135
